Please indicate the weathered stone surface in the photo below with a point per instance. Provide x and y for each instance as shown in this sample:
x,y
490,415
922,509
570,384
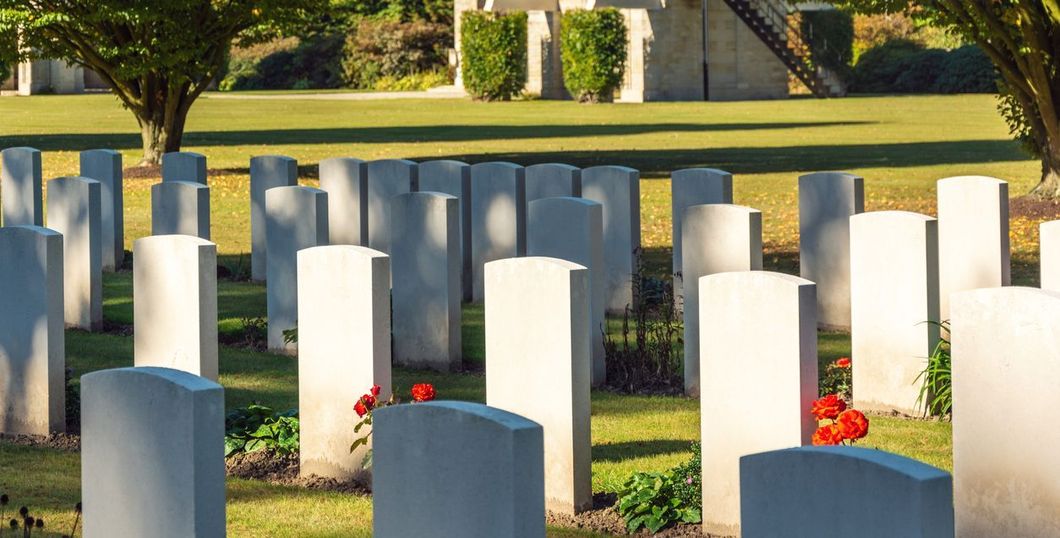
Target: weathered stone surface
x,y
1049,236
104,166
466,470
21,185
454,178
386,179
973,236
618,189
175,306
343,349
572,229
152,454
498,217
73,210
425,245
32,344
266,172
894,299
295,218
537,343
805,492
184,166
689,187
827,200
180,208
1006,369
733,356
716,238
345,179
552,180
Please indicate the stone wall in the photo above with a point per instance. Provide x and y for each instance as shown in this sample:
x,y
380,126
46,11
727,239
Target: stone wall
x,y
739,64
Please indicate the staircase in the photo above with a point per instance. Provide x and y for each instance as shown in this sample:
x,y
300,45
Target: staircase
x,y
772,22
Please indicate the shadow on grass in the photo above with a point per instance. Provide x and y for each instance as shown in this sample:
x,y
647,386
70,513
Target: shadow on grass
x,y
639,449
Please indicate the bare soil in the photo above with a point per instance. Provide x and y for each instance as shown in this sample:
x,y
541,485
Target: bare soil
x,y
58,441
283,470
604,518
1034,208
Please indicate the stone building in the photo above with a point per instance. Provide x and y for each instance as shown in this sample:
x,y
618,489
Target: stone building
x,y
679,50
50,76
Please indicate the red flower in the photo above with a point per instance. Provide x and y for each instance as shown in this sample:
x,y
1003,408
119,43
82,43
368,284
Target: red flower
x,y
843,362
853,424
827,435
375,390
423,392
360,409
369,401
828,407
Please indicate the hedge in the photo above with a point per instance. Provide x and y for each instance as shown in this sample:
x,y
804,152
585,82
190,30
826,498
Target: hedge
x,y
394,50
830,37
902,66
593,50
493,46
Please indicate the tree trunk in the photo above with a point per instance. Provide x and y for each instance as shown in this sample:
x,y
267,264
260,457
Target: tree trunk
x,y
1049,187
162,133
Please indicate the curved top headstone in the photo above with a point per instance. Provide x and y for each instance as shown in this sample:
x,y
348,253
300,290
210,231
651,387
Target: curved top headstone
x,y
184,166
552,180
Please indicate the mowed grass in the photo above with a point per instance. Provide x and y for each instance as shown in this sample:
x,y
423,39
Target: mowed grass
x,y
901,145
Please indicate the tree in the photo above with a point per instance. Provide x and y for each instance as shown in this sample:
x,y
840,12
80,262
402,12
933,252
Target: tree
x,y
1022,39
156,56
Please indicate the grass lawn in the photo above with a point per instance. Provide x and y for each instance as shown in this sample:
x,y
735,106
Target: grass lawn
x,y
901,145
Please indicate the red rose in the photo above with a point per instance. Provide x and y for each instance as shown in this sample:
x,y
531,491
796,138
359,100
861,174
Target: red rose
x,y
375,390
369,401
843,362
423,392
827,435
828,407
361,409
853,425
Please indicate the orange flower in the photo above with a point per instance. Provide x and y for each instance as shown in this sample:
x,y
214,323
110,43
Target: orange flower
x,y
827,435
842,362
828,407
853,424
422,392
360,409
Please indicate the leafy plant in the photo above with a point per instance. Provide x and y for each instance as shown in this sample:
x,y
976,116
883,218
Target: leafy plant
x,y
379,49
936,390
257,427
689,488
593,53
369,402
830,37
494,54
254,333
836,379
842,426
655,501
236,269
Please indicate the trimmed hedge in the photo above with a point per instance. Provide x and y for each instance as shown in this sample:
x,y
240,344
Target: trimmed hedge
x,y
593,50
902,66
390,49
493,46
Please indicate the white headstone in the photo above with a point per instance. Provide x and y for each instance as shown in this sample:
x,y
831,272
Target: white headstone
x,y
618,189
32,345
20,185
736,354
827,200
266,172
386,179
552,180
345,179
894,300
498,217
689,187
1049,250
73,210
467,469
454,178
184,166
152,454
104,166
180,208
537,343
295,218
716,238
343,349
175,306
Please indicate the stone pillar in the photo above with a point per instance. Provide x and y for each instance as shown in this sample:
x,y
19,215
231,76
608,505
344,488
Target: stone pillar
x,y
73,210
104,166
469,470
295,218
180,208
386,179
552,180
973,236
498,217
345,179
1049,250
453,178
617,188
873,484
32,345
572,229
184,166
733,356
266,172
537,343
20,181
689,187
175,307
152,453
544,63
716,238
827,200
425,245
343,349
894,306
1006,370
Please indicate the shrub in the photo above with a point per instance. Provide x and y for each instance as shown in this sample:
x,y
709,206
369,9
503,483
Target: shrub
x,y
836,379
381,48
655,501
494,54
413,82
871,31
593,53
830,36
906,67
967,70
879,68
256,427
285,63
919,72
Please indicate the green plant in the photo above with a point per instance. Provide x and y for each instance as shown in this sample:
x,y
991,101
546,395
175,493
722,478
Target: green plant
x,y
689,488
494,54
967,70
395,50
254,333
830,37
369,402
654,501
235,268
936,390
413,82
593,51
257,427
836,379
73,404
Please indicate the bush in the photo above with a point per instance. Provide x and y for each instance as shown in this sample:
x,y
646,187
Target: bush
x,y
967,70
256,427
285,64
395,50
879,68
830,36
413,82
902,66
593,53
494,54
655,501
